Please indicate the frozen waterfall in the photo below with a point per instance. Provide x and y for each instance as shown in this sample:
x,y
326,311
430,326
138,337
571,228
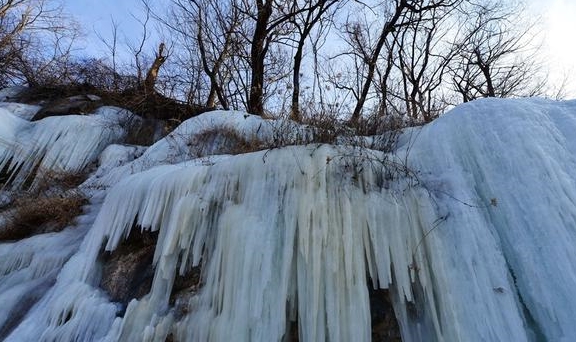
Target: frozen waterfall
x,y
470,223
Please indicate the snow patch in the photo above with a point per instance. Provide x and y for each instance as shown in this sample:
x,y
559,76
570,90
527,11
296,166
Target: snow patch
x,y
186,143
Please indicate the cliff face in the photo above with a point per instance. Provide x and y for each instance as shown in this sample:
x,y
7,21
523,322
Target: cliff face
x,y
466,229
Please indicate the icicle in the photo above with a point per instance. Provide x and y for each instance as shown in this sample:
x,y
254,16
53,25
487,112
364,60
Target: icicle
x,y
264,215
61,144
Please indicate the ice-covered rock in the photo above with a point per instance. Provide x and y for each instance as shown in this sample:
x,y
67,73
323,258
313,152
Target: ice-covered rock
x,y
23,111
11,93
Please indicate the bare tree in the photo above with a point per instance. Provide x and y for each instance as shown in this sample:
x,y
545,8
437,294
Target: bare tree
x,y
212,30
422,55
495,57
236,54
258,49
12,27
372,54
35,40
396,21
112,46
137,48
272,19
303,23
152,74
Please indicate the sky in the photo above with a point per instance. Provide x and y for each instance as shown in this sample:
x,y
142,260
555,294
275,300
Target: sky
x,y
96,18
558,29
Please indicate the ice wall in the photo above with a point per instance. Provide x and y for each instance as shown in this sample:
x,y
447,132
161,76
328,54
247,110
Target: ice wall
x,y
476,242
522,155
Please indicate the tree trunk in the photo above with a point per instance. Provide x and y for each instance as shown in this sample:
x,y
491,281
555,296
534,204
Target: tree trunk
x,y
257,56
485,69
152,75
211,101
387,29
490,92
295,113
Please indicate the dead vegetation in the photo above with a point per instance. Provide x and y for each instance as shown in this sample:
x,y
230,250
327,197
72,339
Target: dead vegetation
x,y
33,216
50,206
368,134
68,99
224,140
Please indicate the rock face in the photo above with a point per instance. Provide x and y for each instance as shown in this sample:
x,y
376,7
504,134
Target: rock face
x,y
385,327
127,272
79,104
384,324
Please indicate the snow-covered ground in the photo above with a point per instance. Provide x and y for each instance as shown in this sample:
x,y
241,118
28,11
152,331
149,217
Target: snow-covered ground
x,y
476,238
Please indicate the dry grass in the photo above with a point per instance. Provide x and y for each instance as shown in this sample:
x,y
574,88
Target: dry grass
x,y
51,205
50,180
32,216
225,140
331,128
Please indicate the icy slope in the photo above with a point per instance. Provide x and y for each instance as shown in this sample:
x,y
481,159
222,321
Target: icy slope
x,y
477,242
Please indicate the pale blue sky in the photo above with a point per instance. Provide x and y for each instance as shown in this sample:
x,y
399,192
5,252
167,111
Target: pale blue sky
x,y
95,16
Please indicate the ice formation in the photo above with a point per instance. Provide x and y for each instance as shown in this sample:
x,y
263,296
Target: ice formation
x,y
23,111
10,93
65,144
475,239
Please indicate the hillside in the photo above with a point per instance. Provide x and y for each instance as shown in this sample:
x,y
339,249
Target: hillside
x,y
238,228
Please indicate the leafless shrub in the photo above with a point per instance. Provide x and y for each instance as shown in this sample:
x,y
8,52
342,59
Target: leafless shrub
x,y
36,40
